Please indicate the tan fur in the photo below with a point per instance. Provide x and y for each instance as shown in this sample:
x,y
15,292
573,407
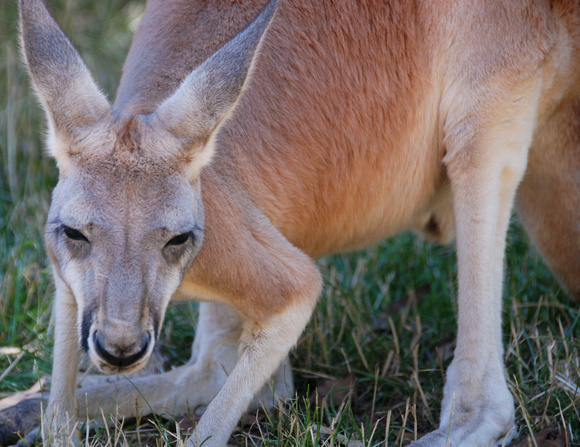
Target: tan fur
x,y
343,124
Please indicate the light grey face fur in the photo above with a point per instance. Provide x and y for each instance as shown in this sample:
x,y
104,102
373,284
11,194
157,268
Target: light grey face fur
x,y
126,219
122,230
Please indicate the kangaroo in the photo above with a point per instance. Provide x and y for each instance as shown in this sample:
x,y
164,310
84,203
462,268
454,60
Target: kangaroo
x,y
239,149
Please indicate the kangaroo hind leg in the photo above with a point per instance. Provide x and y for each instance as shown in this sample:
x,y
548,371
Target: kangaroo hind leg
x,y
548,200
485,166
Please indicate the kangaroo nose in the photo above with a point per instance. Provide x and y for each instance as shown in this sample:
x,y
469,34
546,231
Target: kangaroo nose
x,y
120,360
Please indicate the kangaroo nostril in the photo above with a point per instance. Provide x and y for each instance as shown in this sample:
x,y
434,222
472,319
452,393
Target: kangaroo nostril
x,y
145,340
116,360
103,353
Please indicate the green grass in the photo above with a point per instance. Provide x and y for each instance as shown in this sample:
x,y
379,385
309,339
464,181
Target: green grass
x,y
386,318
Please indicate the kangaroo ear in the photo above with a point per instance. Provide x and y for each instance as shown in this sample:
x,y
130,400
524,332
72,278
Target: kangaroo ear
x,y
209,94
71,99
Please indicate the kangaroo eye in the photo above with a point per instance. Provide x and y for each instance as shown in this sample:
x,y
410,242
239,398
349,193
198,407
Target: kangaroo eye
x,y
180,239
73,234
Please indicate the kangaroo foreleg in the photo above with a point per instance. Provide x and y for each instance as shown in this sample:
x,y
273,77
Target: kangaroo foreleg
x,y
60,423
264,345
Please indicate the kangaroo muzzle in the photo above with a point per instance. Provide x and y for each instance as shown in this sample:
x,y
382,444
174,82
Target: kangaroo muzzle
x,y
120,357
120,347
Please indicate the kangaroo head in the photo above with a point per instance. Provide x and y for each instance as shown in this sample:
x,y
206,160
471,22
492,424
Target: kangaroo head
x,y
123,227
126,218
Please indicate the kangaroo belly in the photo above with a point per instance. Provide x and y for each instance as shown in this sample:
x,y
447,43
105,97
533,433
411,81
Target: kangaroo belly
x,y
349,152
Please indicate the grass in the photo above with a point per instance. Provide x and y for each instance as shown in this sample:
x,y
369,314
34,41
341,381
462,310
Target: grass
x,y
381,335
